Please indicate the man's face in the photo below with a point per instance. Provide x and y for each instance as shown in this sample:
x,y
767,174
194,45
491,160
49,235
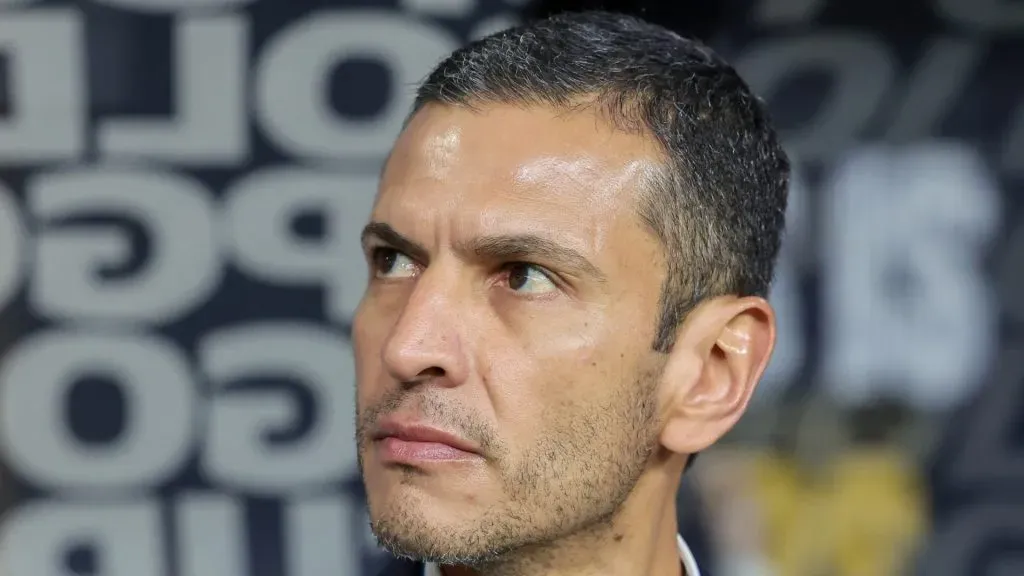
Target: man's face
x,y
512,304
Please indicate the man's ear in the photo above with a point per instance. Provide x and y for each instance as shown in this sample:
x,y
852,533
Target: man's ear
x,y
719,355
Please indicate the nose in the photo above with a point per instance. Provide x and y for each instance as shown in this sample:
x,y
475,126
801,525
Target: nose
x,y
427,343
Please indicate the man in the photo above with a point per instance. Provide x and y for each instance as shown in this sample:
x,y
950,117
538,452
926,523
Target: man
x,y
569,252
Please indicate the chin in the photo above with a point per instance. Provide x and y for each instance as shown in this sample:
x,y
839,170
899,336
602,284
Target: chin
x,y
421,532
412,523
416,508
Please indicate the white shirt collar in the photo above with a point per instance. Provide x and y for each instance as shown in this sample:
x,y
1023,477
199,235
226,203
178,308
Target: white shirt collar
x,y
689,562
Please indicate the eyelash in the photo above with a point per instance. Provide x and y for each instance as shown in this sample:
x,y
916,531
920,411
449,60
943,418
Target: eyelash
x,y
377,252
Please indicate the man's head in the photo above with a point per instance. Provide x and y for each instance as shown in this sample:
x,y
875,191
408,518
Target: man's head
x,y
569,254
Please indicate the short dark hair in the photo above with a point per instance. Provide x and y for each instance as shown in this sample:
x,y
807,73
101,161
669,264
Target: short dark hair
x,y
719,204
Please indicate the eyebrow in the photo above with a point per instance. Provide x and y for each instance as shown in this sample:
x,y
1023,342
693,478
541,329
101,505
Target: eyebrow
x,y
388,235
532,248
503,247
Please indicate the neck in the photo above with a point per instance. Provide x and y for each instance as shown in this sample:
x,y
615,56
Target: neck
x,y
641,538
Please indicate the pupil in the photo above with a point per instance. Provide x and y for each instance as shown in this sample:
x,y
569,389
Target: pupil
x,y
386,260
517,277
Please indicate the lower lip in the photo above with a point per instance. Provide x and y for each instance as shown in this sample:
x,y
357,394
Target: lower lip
x,y
408,452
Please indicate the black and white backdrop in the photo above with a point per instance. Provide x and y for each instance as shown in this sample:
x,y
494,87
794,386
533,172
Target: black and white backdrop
x,y
182,183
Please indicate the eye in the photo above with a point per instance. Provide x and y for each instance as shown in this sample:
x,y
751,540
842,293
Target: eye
x,y
529,279
390,263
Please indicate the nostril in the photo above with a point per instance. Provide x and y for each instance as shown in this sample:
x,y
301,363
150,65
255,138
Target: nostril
x,y
432,372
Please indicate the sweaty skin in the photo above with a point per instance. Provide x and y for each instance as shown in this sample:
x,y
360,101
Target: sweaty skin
x,y
513,302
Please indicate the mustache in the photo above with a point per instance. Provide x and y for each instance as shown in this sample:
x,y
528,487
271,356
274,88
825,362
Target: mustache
x,y
433,409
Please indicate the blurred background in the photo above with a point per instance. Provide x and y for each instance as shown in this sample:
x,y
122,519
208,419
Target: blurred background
x,y
182,183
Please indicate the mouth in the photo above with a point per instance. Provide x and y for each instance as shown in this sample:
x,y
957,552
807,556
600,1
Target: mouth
x,y
417,443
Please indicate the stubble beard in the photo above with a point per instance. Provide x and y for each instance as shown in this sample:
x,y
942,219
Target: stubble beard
x,y
569,486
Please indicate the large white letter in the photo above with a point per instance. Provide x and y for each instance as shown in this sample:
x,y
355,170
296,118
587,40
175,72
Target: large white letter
x,y
319,537
175,5
45,51
790,355
211,536
182,267
238,452
12,235
35,380
210,124
860,71
261,210
934,87
909,311
494,24
36,539
440,8
291,89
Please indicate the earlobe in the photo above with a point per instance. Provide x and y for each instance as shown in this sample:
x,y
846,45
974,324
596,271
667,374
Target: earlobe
x,y
730,340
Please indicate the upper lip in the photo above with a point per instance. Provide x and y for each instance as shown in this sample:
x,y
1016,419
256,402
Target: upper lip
x,y
412,431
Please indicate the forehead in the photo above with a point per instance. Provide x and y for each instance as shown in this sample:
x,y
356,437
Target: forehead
x,y
511,169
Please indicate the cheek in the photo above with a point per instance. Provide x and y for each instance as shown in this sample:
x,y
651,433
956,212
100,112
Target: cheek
x,y
551,363
560,327
560,338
